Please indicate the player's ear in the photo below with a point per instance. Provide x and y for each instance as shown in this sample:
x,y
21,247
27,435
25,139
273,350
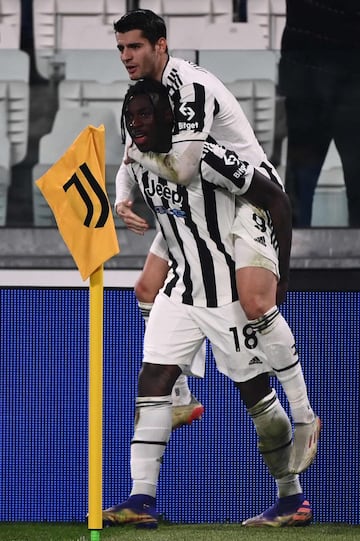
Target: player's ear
x,y
161,45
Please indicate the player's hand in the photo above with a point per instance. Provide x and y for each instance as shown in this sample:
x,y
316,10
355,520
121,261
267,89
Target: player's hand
x,y
133,222
281,291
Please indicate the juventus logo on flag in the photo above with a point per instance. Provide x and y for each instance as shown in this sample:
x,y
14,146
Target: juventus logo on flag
x,y
74,188
82,191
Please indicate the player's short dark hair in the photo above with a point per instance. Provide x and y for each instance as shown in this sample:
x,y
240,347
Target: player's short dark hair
x,y
152,25
157,93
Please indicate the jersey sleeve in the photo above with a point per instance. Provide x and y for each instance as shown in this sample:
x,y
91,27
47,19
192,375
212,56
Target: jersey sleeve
x,y
159,246
180,165
194,107
223,167
125,184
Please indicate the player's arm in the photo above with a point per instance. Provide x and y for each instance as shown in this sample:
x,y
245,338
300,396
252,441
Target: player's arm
x,y
224,168
194,107
179,165
125,186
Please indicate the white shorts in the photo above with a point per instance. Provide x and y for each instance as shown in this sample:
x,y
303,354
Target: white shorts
x,y
175,332
254,240
159,247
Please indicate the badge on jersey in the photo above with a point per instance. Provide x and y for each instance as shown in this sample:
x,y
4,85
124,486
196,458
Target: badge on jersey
x,y
189,108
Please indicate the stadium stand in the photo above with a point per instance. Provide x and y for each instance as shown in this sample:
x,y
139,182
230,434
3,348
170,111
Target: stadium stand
x,y
269,15
251,76
81,94
59,25
8,37
65,29
14,100
258,12
188,22
14,117
5,175
215,36
10,24
330,201
94,65
277,22
230,65
209,10
257,99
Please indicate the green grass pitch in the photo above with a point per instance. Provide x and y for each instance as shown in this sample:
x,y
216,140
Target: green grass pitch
x,y
21,531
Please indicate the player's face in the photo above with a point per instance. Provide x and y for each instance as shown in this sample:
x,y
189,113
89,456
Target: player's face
x,y
141,124
139,56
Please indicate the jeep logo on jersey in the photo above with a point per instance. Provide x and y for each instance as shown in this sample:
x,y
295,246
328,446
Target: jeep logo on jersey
x,y
98,207
163,191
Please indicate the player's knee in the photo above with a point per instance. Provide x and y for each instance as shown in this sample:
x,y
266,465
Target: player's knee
x,y
157,379
254,305
254,390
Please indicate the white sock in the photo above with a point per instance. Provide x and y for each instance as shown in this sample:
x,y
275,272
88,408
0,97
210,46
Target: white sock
x,y
288,485
274,433
277,342
181,394
152,432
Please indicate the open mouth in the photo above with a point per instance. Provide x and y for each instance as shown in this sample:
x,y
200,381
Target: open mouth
x,y
131,69
140,139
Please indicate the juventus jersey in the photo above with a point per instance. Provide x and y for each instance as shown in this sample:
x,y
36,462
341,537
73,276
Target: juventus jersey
x,y
203,106
196,223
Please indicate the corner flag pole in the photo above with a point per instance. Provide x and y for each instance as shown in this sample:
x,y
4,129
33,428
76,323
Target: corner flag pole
x,y
74,188
95,403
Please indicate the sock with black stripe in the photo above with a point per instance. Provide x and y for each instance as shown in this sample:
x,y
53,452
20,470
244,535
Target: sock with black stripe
x,y
153,422
278,343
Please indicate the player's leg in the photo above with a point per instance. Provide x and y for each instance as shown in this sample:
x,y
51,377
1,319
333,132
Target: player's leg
x,y
274,432
186,408
153,424
170,341
256,277
257,292
238,356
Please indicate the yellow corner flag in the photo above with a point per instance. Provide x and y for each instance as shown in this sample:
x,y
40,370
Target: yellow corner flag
x,y
74,188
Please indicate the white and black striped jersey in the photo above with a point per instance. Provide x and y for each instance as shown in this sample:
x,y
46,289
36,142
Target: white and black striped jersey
x,y
203,106
196,223
204,109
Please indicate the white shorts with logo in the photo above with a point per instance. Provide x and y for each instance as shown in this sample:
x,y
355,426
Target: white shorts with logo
x,y
254,239
175,332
